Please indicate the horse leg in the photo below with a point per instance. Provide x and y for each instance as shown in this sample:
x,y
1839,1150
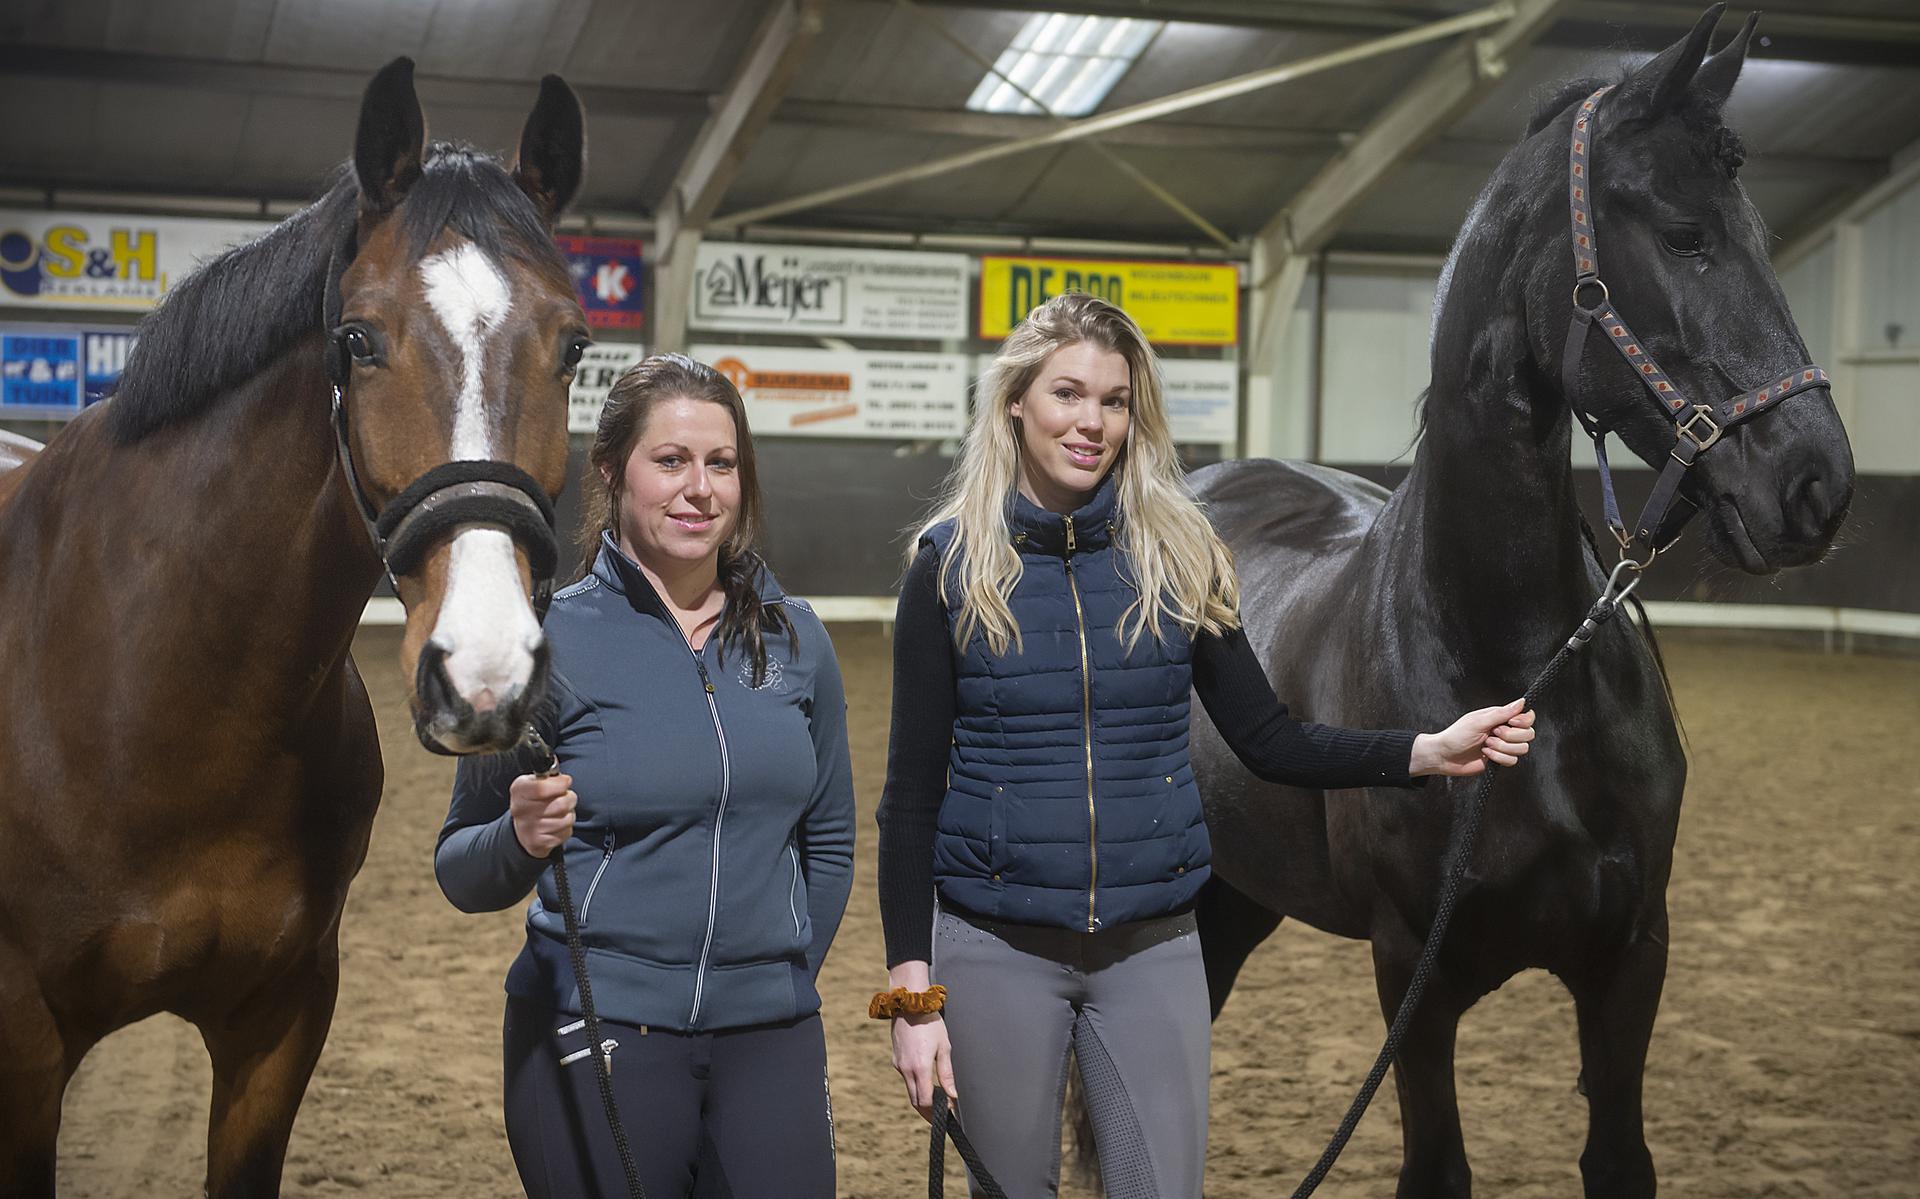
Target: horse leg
x,y
1433,1152
1230,926
263,1054
1616,1009
34,1070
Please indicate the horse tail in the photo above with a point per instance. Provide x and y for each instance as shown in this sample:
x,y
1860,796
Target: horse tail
x,y
1086,1161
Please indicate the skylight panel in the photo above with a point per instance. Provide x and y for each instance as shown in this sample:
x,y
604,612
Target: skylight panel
x,y
1066,63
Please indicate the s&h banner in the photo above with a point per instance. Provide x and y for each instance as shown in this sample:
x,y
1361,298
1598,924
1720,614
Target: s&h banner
x,y
99,260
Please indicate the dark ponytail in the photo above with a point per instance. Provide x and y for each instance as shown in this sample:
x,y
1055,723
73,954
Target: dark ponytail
x,y
747,618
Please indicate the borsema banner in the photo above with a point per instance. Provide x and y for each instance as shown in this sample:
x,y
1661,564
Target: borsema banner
x,y
845,393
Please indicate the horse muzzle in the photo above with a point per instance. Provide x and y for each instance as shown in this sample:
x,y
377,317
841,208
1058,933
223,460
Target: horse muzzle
x,y
448,722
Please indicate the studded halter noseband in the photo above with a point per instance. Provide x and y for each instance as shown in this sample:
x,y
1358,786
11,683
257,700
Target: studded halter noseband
x,y
1698,427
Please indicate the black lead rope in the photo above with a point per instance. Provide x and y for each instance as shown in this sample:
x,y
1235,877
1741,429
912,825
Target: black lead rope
x,y
1465,832
946,1124
577,954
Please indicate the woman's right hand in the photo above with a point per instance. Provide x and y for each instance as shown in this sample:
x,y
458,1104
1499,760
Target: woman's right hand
x,y
923,1056
921,1051
542,811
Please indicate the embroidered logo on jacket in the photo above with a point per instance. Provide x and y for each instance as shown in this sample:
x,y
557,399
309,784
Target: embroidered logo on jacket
x,y
769,682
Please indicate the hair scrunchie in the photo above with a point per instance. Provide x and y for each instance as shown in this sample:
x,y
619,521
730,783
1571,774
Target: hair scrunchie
x,y
885,1005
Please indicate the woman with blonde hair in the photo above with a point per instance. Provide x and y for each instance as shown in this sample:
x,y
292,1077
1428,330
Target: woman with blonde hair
x,y
1061,607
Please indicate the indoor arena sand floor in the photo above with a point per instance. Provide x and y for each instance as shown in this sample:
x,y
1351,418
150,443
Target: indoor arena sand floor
x,y
1783,1063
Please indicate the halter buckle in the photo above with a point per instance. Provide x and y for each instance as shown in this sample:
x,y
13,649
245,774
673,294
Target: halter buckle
x,y
1701,412
1590,281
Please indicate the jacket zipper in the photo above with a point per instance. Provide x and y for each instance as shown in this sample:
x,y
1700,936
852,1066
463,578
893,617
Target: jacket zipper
x,y
719,817
606,859
792,908
1086,716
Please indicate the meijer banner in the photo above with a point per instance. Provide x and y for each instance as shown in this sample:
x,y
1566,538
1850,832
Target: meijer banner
x,y
1175,303
845,393
747,287
99,260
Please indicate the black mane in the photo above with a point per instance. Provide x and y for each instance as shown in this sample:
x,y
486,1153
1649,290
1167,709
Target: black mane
x,y
1555,102
234,316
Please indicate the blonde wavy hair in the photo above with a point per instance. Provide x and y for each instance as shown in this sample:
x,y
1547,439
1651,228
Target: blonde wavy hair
x,y
1177,564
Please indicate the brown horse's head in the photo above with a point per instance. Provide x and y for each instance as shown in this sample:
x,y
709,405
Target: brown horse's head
x,y
456,338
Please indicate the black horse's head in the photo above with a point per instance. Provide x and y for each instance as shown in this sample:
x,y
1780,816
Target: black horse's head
x,y
1686,259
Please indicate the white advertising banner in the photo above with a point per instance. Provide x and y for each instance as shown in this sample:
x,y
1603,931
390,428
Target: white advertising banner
x,y
1203,399
748,287
99,260
1202,395
601,365
845,393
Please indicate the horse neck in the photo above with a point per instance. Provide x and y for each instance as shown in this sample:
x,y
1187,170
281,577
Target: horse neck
x,y
1492,483
259,534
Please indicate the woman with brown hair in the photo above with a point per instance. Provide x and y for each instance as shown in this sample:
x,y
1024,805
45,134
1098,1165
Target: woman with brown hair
x,y
705,806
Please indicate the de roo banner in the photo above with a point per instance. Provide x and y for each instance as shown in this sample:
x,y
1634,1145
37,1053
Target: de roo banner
x,y
1175,303
749,287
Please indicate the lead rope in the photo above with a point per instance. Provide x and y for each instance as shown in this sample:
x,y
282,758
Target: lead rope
x,y
577,954
1465,831
946,1123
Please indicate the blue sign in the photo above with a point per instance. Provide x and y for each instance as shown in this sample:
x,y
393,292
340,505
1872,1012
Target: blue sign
x,y
606,275
40,370
105,357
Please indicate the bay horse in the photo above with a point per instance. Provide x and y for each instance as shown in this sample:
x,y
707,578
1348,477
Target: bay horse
x,y
1398,610
188,760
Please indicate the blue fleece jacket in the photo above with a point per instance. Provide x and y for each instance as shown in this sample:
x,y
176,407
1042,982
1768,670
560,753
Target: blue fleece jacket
x,y
712,849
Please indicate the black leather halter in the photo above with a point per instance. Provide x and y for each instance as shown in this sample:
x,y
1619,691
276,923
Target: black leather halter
x,y
1698,427
469,491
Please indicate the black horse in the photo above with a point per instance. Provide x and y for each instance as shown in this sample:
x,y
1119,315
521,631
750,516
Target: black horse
x,y
1450,593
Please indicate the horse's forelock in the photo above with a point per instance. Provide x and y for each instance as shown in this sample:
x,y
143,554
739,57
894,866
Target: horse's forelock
x,y
469,192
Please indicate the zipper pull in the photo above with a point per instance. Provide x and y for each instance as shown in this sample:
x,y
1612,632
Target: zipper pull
x,y
606,843
1070,546
704,680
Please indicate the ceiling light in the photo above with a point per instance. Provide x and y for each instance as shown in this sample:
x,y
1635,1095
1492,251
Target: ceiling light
x,y
1064,65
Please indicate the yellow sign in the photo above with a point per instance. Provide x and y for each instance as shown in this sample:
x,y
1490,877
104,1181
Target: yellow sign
x,y
1175,303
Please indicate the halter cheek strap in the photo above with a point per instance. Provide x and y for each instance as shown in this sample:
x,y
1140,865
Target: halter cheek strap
x,y
469,491
1697,427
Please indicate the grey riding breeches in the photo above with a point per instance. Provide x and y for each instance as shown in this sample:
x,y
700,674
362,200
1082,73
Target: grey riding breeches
x,y
1130,1002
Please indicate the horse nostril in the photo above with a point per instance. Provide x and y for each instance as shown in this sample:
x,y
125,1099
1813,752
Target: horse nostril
x,y
431,681
1809,511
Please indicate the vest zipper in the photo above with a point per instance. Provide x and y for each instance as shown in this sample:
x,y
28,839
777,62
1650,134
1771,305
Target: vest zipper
x,y
1086,717
719,817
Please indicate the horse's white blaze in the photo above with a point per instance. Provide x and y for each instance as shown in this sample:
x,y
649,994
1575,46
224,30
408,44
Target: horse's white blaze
x,y
486,625
471,297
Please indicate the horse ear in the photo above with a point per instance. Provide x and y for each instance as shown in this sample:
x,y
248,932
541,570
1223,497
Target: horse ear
x,y
1656,87
392,140
1715,81
553,149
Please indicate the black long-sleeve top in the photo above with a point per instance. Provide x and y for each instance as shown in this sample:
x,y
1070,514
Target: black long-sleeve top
x,y
1226,676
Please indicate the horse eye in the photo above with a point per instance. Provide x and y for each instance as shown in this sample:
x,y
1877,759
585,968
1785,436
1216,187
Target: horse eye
x,y
1684,242
575,348
359,345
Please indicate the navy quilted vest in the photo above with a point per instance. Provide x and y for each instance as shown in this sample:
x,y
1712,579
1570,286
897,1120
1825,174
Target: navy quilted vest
x,y
1070,799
